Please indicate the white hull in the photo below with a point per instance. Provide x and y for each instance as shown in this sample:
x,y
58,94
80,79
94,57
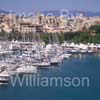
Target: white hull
x,y
83,51
41,64
67,56
26,70
55,61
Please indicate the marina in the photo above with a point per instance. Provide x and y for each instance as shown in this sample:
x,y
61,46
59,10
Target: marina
x,y
29,57
50,50
77,66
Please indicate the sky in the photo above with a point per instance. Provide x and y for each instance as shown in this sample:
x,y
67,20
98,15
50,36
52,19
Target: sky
x,y
45,5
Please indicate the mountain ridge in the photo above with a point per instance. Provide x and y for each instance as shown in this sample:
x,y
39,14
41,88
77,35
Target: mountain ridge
x,y
58,13
73,12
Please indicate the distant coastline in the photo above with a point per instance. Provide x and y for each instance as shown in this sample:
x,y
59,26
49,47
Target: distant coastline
x,y
57,12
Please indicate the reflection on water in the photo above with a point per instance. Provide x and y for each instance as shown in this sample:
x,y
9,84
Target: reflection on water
x,y
80,56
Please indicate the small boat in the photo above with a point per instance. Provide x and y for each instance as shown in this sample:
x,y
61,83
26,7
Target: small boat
x,y
66,55
41,64
54,60
26,69
4,78
84,51
91,51
11,70
73,51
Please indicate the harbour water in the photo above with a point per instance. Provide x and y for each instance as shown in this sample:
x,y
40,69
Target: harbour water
x,y
77,66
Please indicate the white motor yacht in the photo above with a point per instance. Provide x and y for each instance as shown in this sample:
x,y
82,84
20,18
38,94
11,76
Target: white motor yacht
x,y
26,69
41,64
67,56
54,60
84,51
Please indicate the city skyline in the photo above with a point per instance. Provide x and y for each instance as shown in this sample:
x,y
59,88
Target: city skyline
x,y
43,5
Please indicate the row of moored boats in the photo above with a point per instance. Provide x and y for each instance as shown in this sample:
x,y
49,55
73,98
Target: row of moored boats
x,y
27,57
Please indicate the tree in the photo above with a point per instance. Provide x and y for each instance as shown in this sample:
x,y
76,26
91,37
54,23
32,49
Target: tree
x,y
95,28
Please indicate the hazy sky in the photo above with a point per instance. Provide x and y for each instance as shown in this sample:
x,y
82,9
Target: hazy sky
x,y
37,5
